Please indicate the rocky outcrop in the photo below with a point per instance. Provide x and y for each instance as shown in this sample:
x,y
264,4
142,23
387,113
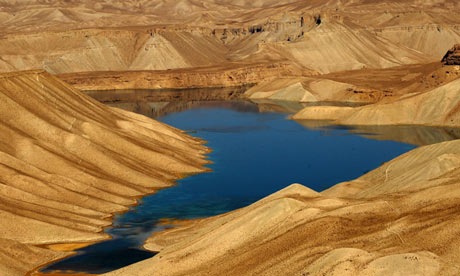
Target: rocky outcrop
x,y
452,56
67,163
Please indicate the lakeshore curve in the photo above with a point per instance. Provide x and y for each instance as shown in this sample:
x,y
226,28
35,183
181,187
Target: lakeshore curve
x,y
382,223
68,163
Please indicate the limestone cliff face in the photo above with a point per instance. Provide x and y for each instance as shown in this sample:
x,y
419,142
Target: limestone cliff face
x,y
399,219
67,163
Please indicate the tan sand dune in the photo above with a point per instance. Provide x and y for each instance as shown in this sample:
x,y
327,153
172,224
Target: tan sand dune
x,y
67,163
399,219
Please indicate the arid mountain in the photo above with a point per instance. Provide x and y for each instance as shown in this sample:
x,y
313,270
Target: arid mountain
x,y
32,15
323,36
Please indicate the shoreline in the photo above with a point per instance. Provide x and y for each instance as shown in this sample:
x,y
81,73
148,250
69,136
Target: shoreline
x,y
344,203
65,244
85,187
71,247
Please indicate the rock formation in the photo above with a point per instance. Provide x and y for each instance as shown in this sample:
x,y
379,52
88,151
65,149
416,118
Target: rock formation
x,y
452,56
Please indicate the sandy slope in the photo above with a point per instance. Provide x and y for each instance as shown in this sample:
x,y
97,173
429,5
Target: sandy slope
x,y
358,86
399,219
67,163
18,258
437,107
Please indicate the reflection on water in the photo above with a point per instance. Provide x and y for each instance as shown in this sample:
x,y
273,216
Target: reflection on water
x,y
255,153
167,95
414,135
293,107
159,109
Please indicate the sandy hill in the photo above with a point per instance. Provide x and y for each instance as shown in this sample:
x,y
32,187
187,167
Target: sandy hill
x,y
399,219
67,163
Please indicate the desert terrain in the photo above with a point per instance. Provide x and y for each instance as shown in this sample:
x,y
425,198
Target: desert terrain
x,y
69,163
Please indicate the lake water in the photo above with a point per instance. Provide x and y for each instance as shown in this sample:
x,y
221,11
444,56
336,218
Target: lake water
x,y
254,154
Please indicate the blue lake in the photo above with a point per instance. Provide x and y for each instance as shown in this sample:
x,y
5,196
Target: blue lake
x,y
254,154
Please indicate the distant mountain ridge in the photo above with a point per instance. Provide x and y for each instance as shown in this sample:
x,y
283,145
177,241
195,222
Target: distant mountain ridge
x,y
87,36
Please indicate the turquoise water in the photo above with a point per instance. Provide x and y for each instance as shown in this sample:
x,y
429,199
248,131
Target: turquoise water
x,y
254,154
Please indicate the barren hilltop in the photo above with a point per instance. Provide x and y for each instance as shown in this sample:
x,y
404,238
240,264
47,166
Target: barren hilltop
x,y
68,162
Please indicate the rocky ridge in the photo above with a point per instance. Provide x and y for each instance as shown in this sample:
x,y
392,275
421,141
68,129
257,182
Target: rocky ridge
x,y
452,56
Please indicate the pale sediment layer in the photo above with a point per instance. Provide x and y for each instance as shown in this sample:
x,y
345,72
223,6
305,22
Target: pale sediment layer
x,y
400,219
67,163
